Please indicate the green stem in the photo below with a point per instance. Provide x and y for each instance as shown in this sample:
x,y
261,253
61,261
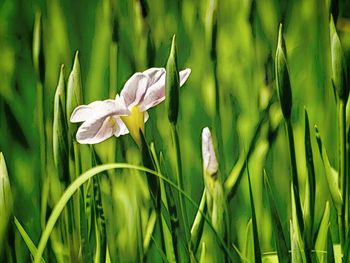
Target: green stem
x,y
343,183
295,182
179,180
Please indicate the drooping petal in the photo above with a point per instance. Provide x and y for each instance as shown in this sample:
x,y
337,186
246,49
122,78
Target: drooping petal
x,y
97,130
184,74
98,109
210,163
134,89
155,93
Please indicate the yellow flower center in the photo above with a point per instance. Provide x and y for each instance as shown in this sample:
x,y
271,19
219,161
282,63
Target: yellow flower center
x,y
135,122
111,123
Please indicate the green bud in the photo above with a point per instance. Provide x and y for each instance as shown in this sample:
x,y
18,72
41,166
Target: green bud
x,y
282,77
172,84
59,136
339,76
74,89
5,200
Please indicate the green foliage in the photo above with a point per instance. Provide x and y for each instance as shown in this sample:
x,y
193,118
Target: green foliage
x,y
65,202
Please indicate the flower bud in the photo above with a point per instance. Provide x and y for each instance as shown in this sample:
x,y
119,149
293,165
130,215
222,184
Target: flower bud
x,y
282,77
74,89
59,135
339,76
172,84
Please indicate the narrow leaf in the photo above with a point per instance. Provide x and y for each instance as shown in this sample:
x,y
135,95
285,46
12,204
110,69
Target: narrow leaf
x,y
257,250
331,174
280,239
321,240
26,238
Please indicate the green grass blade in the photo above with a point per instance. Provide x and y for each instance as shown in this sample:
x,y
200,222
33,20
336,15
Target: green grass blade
x,y
346,255
280,239
332,175
330,249
321,240
310,205
30,244
257,250
198,224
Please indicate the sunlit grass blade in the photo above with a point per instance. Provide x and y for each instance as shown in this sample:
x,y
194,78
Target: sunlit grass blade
x,y
280,239
322,235
248,249
198,225
202,258
257,250
149,231
30,244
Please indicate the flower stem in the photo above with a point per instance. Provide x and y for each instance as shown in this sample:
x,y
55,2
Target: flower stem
x,y
179,181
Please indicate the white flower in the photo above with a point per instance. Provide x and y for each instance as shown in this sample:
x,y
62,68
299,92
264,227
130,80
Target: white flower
x,y
128,112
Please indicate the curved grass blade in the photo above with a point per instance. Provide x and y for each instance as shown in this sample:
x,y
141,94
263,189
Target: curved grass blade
x,y
30,244
83,178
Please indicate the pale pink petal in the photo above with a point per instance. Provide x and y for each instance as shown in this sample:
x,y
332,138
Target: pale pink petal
x,y
96,130
134,89
184,74
98,109
210,163
122,128
155,94
154,74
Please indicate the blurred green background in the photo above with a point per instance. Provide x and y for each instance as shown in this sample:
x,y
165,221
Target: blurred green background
x,y
117,38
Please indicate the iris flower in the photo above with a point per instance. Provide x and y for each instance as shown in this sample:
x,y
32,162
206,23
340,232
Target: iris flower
x,y
127,112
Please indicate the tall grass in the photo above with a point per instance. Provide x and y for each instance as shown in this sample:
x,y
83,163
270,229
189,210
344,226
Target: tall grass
x,y
248,161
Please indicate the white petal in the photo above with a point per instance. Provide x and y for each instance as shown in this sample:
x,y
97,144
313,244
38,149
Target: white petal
x,y
154,74
134,89
155,94
122,128
184,74
98,109
210,164
96,130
